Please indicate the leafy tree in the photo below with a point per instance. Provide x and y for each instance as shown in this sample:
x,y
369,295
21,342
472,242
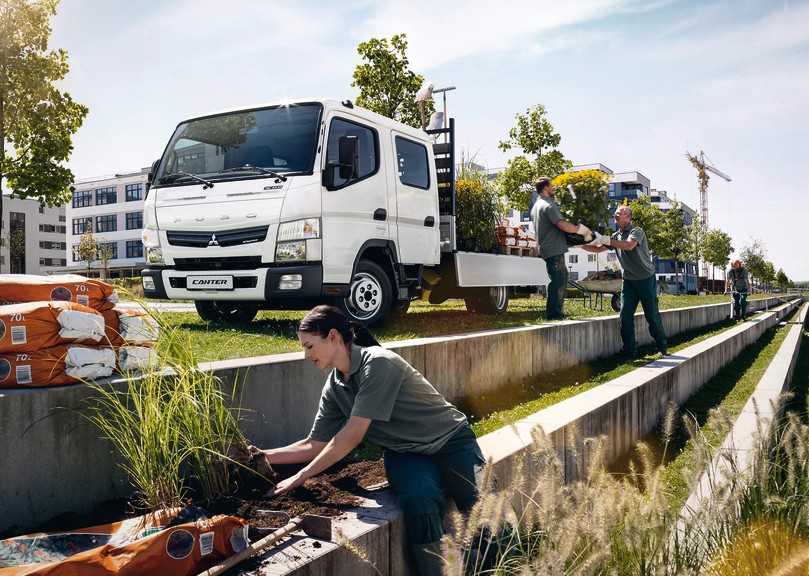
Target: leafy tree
x,y
718,249
537,139
696,241
650,218
754,257
88,249
782,280
588,203
386,84
478,209
37,120
674,241
768,277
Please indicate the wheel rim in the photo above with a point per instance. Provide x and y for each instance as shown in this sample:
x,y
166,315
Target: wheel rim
x,y
499,296
365,298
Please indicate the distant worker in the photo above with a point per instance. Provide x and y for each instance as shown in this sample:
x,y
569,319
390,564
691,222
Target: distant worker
x,y
738,284
550,228
640,282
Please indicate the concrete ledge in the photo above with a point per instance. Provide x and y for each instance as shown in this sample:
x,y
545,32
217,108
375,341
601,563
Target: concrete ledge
x,y
54,462
623,410
754,423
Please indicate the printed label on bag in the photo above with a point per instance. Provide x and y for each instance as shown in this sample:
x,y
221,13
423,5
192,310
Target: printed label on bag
x,y
206,543
19,335
83,299
23,374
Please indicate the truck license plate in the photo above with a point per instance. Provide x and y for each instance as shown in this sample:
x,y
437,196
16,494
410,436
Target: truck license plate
x,y
209,283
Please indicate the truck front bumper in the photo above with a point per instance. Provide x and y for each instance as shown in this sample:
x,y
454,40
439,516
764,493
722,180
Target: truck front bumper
x,y
270,284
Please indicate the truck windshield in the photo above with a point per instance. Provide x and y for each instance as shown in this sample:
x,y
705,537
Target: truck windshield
x,y
282,139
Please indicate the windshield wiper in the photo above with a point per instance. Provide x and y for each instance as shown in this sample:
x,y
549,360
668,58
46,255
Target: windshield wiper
x,y
251,168
180,174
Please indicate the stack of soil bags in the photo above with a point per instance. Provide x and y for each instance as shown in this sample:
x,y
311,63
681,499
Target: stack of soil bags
x,y
68,330
68,287
178,542
52,343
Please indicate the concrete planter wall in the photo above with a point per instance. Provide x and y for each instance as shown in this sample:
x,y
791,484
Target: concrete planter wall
x,y
53,461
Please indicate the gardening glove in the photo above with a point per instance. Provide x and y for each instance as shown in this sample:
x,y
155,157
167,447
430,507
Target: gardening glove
x,y
585,231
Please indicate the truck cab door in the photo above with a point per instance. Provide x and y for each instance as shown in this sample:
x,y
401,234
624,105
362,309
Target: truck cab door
x,y
355,198
417,223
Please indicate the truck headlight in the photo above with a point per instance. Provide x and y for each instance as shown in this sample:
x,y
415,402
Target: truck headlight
x,y
299,230
290,251
150,238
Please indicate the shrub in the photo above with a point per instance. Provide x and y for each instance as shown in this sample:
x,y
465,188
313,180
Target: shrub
x,y
477,210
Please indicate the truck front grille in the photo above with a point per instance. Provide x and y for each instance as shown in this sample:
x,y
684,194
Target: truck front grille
x,y
228,263
222,238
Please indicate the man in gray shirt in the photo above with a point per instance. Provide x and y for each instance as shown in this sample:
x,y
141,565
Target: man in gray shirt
x,y
550,229
640,282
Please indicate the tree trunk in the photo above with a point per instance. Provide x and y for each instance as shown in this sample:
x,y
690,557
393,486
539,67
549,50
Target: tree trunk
x,y
713,278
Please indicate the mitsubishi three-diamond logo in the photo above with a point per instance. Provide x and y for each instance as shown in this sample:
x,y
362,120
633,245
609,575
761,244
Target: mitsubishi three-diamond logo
x,y
213,241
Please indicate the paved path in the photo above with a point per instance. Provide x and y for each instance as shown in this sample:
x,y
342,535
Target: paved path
x,y
160,306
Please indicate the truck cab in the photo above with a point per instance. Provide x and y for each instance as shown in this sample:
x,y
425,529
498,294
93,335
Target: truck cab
x,y
289,205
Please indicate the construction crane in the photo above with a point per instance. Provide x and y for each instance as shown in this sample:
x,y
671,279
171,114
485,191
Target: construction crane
x,y
703,168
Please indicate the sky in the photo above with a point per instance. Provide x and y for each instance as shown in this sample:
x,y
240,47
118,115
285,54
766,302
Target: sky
x,y
630,84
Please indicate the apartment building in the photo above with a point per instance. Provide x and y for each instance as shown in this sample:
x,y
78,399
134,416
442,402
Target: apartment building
x,y
33,237
111,208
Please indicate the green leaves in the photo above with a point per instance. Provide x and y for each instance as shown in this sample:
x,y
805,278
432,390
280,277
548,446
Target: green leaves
x,y
37,120
650,218
717,248
386,84
536,137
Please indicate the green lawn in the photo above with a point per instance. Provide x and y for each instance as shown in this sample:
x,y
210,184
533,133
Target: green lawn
x,y
273,332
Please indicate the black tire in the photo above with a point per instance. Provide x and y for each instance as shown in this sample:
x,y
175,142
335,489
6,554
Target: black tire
x,y
492,300
225,311
615,302
370,295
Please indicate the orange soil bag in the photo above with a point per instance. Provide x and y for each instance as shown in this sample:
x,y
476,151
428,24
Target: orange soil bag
x,y
33,326
68,287
64,364
181,542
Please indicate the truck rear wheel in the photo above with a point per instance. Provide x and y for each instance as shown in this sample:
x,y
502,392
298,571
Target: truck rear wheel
x,y
492,300
370,294
226,312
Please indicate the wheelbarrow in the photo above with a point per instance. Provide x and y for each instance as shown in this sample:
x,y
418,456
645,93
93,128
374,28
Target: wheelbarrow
x,y
594,290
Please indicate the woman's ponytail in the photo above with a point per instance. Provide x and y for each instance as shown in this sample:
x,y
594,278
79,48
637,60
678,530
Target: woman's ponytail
x,y
362,336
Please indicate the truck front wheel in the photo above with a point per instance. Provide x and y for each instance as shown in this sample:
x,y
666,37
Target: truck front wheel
x,y
370,294
226,312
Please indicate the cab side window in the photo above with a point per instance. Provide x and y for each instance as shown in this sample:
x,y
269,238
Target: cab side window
x,y
412,165
367,150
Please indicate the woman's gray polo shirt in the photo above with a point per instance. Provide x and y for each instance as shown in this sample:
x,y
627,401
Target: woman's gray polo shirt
x,y
408,414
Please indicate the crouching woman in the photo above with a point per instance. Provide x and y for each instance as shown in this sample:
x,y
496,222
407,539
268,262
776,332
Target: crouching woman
x,y
372,393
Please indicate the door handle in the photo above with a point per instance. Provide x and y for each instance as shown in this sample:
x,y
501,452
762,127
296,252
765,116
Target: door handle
x,y
429,221
380,214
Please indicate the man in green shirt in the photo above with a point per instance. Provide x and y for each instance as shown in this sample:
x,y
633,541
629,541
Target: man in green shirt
x,y
738,283
640,282
550,229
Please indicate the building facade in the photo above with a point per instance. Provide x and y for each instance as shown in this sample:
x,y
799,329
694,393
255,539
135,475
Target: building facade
x,y
111,208
33,237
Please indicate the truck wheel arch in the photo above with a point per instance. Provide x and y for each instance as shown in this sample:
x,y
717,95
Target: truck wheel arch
x,y
382,252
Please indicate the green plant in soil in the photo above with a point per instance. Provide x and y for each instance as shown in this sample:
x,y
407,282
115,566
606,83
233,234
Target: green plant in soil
x,y
173,429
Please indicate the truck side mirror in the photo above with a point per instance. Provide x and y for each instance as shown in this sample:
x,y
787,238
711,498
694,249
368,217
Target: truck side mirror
x,y
349,152
152,173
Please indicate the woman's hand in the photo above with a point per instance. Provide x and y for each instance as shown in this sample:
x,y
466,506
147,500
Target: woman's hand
x,y
289,484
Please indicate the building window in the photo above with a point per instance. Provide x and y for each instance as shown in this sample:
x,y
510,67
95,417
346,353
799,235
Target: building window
x,y
110,247
61,229
76,256
82,225
134,220
134,192
63,262
41,209
574,275
134,249
61,218
17,242
573,258
106,196
412,163
47,228
591,257
82,198
106,223
612,257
